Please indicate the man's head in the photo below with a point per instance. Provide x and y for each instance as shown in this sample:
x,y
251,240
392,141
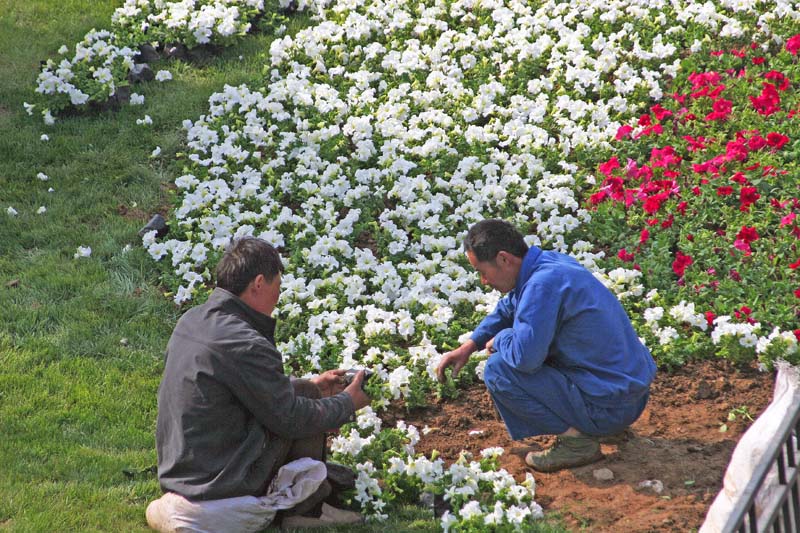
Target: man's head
x,y
251,269
495,249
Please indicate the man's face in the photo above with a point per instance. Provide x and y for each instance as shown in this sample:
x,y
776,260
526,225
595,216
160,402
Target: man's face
x,y
498,273
271,292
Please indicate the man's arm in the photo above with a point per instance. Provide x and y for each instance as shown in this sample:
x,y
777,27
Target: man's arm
x,y
257,379
502,317
525,345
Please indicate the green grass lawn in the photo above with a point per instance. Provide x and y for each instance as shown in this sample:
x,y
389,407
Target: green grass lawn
x,y
81,340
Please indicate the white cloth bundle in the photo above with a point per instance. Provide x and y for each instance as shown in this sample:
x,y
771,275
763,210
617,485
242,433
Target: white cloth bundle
x,y
294,482
750,450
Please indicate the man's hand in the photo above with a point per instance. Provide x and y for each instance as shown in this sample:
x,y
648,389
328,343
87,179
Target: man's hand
x,y
490,346
357,394
457,359
330,382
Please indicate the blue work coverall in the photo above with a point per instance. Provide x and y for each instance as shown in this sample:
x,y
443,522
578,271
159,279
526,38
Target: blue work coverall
x,y
566,354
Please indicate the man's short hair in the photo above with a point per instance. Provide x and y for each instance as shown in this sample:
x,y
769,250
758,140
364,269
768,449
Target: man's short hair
x,y
488,237
244,260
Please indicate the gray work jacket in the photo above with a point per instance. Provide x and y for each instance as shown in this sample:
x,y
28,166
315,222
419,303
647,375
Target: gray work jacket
x,y
223,400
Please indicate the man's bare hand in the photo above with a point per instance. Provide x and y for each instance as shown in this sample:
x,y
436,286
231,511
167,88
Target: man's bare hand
x,y
330,382
357,394
457,359
490,346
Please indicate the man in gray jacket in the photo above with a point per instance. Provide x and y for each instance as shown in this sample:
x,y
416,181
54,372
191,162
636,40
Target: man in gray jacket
x,y
228,416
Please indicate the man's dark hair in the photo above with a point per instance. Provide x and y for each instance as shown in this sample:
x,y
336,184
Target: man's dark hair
x,y
244,260
488,237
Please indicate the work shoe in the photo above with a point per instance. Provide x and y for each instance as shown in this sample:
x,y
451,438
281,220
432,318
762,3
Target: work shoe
x,y
340,477
618,438
568,452
331,516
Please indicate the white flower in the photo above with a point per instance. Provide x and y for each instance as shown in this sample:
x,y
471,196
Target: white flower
x,y
183,294
156,152
517,515
48,117
28,108
83,251
496,516
496,451
136,99
44,137
471,509
653,314
41,210
11,211
666,335
146,121
448,521
163,75
42,176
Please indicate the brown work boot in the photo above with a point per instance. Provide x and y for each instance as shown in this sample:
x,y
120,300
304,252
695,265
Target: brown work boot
x,y
618,438
568,452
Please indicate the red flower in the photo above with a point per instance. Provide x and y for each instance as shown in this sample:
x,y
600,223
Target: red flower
x,y
696,144
793,44
788,219
725,190
664,157
742,246
645,234
739,178
624,255
598,197
747,234
668,222
660,113
607,167
623,132
681,262
779,78
747,196
653,202
794,265
797,334
735,151
777,140
681,208
756,142
710,316
704,79
655,128
720,110
768,102
758,60
797,293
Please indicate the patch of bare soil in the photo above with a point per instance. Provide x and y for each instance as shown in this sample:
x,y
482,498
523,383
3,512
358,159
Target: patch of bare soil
x,y
676,441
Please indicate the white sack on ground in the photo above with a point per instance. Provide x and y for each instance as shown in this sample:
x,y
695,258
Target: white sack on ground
x,y
750,450
294,482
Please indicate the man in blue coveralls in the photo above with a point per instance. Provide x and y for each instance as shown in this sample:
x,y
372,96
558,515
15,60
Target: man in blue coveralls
x,y
564,358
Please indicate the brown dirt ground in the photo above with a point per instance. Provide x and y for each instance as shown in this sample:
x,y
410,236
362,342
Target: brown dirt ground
x,y
677,441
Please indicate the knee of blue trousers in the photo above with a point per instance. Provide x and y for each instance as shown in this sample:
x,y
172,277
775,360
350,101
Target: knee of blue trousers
x,y
494,369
